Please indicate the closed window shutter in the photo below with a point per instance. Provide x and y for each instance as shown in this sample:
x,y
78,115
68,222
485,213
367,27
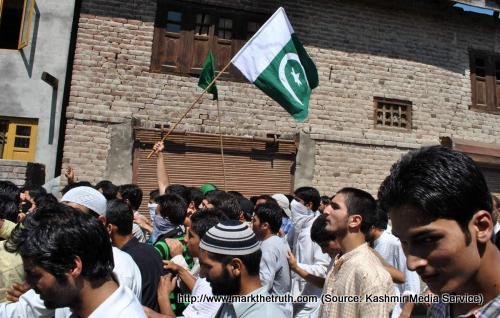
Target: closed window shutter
x,y
170,28
252,167
479,87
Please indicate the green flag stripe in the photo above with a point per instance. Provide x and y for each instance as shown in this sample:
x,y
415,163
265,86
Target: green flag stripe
x,y
289,79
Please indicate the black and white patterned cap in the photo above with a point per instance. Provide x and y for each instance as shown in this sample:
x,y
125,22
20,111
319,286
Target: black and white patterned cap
x,y
230,238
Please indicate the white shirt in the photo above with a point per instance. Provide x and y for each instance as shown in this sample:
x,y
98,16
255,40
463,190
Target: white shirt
x,y
309,257
122,303
390,248
31,305
201,309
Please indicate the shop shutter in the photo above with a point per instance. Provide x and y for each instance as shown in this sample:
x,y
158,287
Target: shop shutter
x,y
253,166
492,176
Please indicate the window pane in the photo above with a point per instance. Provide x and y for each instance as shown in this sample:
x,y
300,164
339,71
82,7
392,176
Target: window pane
x,y
173,27
202,23
23,130
174,19
174,16
20,142
480,72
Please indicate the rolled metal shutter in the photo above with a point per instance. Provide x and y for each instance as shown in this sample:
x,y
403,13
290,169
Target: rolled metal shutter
x,y
492,176
253,165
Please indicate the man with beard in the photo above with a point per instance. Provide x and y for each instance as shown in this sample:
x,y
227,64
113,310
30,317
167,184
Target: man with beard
x,y
358,271
229,259
441,208
68,260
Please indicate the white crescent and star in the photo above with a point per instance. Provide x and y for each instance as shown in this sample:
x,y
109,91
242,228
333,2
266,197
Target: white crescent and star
x,y
296,76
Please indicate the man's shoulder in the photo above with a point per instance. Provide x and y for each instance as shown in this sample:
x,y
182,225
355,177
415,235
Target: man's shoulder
x,y
263,309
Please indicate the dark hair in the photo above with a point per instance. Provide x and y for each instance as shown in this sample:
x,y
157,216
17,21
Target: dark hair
x,y
381,219
180,190
309,195
360,202
196,196
203,220
74,185
8,208
121,215
132,193
439,182
231,207
53,237
319,234
109,190
34,191
266,197
216,197
247,208
44,200
154,194
172,207
325,199
236,194
9,189
251,261
270,213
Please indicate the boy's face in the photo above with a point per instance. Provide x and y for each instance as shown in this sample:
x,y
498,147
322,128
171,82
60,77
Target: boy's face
x,y
192,243
331,247
437,249
337,217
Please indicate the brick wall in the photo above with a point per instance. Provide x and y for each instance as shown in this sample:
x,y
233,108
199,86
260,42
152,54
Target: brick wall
x,y
361,51
13,170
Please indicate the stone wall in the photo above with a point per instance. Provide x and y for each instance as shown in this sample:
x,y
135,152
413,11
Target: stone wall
x,y
418,53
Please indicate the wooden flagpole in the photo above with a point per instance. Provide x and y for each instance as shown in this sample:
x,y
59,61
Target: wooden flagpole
x,y
221,147
191,107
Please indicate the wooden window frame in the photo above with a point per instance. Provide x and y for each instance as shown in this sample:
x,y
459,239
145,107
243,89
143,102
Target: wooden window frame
x,y
12,152
491,83
28,6
394,102
183,53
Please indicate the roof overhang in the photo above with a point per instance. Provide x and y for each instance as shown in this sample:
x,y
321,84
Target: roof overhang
x,y
482,153
485,4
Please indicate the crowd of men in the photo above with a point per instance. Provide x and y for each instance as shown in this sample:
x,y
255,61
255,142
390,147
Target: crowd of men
x,y
92,254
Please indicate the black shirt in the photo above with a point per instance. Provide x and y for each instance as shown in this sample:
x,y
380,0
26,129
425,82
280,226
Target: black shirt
x,y
151,266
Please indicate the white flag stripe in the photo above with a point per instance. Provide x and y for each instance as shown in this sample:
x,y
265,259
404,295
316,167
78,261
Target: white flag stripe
x,y
263,47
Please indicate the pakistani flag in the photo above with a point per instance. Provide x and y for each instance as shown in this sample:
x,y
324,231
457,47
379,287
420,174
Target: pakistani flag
x,y
275,61
207,75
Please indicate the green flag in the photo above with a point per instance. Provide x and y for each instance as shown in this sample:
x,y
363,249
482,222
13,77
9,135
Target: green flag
x,y
277,63
207,75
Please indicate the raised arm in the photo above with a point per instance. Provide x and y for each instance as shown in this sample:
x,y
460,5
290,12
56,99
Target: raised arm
x,y
161,172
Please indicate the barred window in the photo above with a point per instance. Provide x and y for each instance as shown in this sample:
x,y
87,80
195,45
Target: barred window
x,y
392,114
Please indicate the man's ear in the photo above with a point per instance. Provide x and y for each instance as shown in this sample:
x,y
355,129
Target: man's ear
x,y
309,205
236,267
354,221
77,267
482,223
109,227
